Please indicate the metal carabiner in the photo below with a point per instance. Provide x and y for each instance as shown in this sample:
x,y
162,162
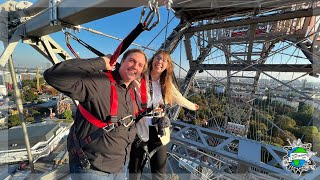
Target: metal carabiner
x,y
148,19
152,4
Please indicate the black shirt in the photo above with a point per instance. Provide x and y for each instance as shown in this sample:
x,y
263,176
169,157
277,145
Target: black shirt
x,y
84,80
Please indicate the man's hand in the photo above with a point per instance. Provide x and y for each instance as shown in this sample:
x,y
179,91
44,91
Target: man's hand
x,y
107,58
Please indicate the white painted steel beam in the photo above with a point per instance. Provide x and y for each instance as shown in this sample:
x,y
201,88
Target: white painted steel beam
x,y
262,67
259,19
76,12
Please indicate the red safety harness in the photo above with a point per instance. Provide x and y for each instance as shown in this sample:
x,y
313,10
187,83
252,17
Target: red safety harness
x,y
113,109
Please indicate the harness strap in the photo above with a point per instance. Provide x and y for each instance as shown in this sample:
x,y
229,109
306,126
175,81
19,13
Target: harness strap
x,y
93,120
144,146
143,93
113,98
77,150
127,41
135,106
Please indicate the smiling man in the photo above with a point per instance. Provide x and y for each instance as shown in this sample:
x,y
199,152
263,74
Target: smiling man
x,y
100,139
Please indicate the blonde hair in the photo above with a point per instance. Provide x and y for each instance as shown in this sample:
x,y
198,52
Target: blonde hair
x,y
166,76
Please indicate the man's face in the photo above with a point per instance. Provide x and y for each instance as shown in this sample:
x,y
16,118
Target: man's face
x,y
132,67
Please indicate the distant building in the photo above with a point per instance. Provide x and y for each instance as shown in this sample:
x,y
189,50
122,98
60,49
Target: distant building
x,y
27,76
220,89
3,120
43,137
5,77
3,90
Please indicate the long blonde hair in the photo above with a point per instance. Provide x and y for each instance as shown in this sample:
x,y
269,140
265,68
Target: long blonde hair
x,y
165,77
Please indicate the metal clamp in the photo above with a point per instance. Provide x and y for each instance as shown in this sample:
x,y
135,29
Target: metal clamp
x,y
84,162
53,12
109,127
153,10
126,124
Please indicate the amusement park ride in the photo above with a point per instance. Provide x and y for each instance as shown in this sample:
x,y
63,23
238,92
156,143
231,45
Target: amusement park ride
x,y
245,34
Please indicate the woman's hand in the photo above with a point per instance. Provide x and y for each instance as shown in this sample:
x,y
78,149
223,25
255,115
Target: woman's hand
x,y
197,107
109,66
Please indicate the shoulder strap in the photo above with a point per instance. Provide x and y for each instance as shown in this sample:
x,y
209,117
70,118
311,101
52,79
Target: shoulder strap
x,y
151,90
143,93
113,98
134,103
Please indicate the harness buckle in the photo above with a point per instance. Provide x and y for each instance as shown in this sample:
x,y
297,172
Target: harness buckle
x,y
84,162
126,124
109,127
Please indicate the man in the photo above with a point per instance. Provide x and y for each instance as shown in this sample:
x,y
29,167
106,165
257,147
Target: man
x,y
94,151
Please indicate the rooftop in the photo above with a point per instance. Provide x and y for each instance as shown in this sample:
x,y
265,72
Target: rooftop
x,y
13,138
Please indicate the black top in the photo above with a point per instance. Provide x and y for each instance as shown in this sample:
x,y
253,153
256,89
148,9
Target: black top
x,y
84,80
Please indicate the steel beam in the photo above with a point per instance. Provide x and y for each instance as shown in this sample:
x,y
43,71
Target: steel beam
x,y
258,19
251,35
12,44
263,67
174,38
260,38
34,9
48,49
76,12
19,105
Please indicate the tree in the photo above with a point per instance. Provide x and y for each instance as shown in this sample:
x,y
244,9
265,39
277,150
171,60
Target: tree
x,y
30,119
316,143
30,96
201,115
68,115
181,114
304,114
52,91
310,132
13,120
196,122
278,141
285,122
28,83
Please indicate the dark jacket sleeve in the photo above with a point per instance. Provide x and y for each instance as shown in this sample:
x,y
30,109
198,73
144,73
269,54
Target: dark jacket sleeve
x,y
76,78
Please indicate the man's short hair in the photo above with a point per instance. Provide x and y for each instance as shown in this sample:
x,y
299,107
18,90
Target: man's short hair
x,y
128,52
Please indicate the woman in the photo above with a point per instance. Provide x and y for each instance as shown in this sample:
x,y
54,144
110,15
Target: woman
x,y
160,91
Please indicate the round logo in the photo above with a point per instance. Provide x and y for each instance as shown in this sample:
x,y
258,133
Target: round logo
x,y
297,156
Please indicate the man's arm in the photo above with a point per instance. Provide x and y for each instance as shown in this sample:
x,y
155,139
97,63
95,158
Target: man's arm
x,y
75,77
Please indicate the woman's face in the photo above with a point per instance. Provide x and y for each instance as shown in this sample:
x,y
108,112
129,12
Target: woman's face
x,y
160,63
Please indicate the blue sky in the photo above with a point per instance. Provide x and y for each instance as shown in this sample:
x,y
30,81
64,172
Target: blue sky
x,y
120,25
